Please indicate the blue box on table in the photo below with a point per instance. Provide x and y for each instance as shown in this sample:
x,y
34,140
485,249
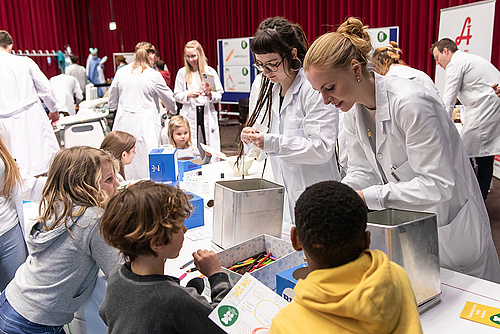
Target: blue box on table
x,y
197,217
163,165
186,164
286,280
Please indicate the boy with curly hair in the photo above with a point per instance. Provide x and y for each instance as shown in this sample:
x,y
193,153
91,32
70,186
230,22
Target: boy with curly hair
x,y
146,223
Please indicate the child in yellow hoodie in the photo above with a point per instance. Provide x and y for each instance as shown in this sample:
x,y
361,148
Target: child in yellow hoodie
x,y
350,289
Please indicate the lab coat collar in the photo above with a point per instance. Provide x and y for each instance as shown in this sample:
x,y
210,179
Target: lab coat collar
x,y
381,99
383,113
294,88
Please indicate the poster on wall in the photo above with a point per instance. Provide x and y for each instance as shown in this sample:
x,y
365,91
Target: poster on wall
x,y
129,58
235,51
471,27
237,78
382,36
235,68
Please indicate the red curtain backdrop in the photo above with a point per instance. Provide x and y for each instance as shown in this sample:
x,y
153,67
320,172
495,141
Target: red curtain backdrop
x,y
169,24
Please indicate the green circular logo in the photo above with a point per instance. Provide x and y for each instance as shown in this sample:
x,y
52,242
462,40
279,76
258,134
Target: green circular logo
x,y
227,315
244,45
381,36
244,71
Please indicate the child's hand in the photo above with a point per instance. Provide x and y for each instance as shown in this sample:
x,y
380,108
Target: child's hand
x,y
207,262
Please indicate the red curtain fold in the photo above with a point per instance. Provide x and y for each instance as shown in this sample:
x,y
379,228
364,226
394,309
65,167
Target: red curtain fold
x,y
50,24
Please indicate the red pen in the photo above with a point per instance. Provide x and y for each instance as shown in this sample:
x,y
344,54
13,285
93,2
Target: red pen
x,y
182,276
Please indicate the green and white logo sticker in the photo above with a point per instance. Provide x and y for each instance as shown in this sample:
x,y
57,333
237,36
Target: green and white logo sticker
x,y
244,45
228,315
244,71
495,318
381,36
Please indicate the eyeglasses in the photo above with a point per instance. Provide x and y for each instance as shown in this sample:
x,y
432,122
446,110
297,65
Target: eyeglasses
x,y
269,67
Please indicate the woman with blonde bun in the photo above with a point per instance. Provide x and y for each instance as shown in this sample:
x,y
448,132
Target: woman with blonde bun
x,y
403,150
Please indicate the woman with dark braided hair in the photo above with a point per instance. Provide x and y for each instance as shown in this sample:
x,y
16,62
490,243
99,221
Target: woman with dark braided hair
x,y
302,135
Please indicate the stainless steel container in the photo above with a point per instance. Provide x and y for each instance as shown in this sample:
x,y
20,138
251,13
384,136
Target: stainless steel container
x,y
247,208
410,239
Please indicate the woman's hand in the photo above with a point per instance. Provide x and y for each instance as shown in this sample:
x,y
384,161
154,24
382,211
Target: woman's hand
x,y
207,92
360,193
257,139
245,134
193,94
207,262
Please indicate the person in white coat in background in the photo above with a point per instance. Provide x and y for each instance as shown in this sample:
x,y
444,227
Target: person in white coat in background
x,y
302,135
197,99
135,94
469,77
67,91
22,85
77,71
404,152
387,61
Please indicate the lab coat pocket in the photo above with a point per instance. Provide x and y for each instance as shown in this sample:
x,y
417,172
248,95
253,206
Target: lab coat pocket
x,y
464,233
402,173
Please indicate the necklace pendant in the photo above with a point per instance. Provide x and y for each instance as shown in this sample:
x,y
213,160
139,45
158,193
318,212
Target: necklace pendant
x,y
369,133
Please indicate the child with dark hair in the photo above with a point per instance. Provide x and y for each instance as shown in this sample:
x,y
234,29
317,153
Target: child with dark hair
x,y
350,289
146,223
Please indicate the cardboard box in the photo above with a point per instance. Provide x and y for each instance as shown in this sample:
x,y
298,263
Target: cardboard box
x,y
286,256
163,165
186,164
286,280
197,217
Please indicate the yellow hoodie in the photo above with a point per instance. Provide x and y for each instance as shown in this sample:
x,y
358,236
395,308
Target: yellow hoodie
x,y
368,295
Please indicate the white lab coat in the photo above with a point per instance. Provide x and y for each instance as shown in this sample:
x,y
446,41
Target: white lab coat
x,y
188,110
422,156
302,136
469,77
79,72
66,88
403,71
33,140
135,96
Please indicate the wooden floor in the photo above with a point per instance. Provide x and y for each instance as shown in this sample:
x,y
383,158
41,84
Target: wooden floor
x,y
230,137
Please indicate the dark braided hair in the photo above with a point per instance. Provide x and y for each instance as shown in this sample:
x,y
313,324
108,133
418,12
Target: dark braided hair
x,y
274,35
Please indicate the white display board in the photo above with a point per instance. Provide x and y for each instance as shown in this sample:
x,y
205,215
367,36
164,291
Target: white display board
x,y
129,58
471,27
235,68
382,36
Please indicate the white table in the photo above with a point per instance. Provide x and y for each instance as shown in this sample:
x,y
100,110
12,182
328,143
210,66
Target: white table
x,y
444,317
456,288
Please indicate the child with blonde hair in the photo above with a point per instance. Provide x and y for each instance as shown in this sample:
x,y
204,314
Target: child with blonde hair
x,y
122,145
65,248
145,221
179,136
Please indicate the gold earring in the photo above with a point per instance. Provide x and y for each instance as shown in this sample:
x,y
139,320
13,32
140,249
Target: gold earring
x,y
358,78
